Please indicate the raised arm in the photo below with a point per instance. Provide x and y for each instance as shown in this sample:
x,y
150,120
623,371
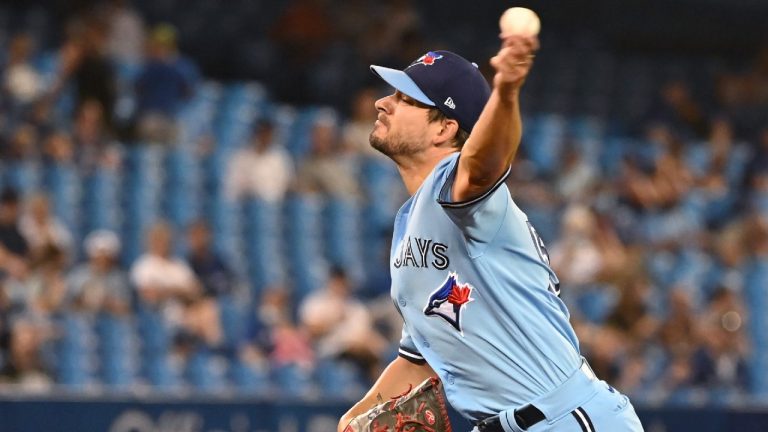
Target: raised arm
x,y
491,147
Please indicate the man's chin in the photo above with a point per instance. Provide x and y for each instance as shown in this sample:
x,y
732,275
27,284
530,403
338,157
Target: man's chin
x,y
378,143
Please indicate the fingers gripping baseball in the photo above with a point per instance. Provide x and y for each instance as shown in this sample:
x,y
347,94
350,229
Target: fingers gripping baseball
x,y
514,60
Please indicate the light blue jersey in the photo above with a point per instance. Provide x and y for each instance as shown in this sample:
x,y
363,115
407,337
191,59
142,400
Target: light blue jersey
x,y
478,298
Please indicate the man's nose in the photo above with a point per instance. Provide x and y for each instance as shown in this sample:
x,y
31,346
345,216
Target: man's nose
x,y
384,104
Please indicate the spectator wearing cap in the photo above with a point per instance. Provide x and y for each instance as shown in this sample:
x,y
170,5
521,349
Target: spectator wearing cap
x,y
100,285
262,169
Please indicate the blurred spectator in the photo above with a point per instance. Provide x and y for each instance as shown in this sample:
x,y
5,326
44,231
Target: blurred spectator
x,y
729,256
46,287
759,162
680,337
168,284
721,361
24,366
577,176
324,171
357,130
58,148
21,81
340,326
23,145
42,229
262,169
672,178
575,257
160,278
632,315
679,332
212,272
93,142
272,331
678,108
86,60
11,239
659,179
125,41
100,285
161,87
718,167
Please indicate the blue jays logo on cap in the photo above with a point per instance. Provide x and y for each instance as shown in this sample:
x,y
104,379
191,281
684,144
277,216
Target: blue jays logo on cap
x,y
428,59
449,300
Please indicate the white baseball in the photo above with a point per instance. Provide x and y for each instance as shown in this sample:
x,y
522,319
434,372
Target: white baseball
x,y
519,21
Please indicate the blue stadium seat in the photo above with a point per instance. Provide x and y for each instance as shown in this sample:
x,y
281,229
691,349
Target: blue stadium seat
x,y
117,351
303,237
154,333
250,379
162,374
100,200
263,242
25,177
339,379
205,372
76,360
292,380
233,313
62,185
342,233
596,302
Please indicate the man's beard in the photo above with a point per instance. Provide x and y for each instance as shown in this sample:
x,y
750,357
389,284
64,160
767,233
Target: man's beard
x,y
391,148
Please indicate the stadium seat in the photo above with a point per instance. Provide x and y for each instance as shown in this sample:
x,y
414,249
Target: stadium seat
x,y
250,379
205,372
338,378
292,380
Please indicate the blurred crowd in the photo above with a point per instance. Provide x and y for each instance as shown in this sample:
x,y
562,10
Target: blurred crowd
x,y
657,225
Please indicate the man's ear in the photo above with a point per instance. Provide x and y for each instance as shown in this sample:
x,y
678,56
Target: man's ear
x,y
447,132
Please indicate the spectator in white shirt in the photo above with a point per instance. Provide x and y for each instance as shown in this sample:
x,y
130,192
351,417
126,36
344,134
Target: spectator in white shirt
x,y
168,284
22,82
262,169
159,277
340,326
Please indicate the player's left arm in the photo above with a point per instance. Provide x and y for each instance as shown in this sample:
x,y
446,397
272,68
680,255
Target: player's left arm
x,y
491,147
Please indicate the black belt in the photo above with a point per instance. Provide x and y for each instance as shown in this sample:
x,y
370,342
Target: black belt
x,y
525,417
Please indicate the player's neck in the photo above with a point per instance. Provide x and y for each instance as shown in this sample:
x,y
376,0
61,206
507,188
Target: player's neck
x,y
416,168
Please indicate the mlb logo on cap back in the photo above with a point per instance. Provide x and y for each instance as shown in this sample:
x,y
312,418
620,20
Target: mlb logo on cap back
x,y
445,81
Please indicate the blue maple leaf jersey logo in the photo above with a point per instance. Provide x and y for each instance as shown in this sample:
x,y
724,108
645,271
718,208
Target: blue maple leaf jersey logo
x,y
448,300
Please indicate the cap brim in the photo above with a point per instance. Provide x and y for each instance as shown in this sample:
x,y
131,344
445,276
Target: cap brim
x,y
402,82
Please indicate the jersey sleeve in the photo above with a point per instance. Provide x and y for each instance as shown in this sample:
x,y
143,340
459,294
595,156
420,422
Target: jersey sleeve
x,y
408,350
480,217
